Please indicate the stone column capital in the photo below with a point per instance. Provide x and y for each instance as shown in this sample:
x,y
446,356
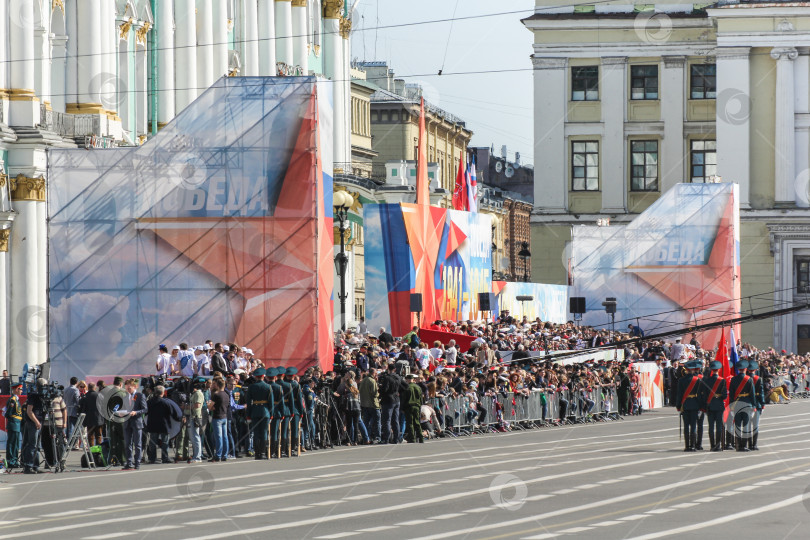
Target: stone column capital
x,y
299,3
784,53
345,27
332,9
27,189
5,235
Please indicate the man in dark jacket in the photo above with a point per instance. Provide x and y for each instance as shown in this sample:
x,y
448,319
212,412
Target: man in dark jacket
x,y
133,428
218,360
93,421
158,425
389,385
385,339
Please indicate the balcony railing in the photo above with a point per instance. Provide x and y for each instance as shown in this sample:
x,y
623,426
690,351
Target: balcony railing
x,y
72,125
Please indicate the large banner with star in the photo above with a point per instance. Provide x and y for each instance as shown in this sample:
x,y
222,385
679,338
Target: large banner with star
x,y
676,264
444,255
219,227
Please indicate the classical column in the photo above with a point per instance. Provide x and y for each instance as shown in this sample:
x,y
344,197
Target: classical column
x,y
784,166
108,83
250,39
801,94
299,32
346,81
3,47
670,88
71,60
333,69
24,105
164,26
40,323
5,237
221,45
550,106
42,75
267,39
205,44
89,66
58,84
185,47
733,118
26,317
614,99
284,32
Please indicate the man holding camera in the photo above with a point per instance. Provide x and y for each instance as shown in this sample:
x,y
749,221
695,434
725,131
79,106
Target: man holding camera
x,y
53,431
35,410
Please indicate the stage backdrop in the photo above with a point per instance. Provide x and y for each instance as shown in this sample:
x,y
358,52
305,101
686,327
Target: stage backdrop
x,y
443,254
220,228
549,302
675,264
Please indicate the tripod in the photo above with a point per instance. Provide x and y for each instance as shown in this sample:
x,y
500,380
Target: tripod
x,y
58,451
78,435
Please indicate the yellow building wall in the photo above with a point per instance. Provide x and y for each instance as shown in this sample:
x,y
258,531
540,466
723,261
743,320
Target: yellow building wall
x,y
763,107
549,254
757,278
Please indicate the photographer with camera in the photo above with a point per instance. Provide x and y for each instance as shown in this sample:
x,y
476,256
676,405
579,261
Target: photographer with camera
x,y
35,411
53,428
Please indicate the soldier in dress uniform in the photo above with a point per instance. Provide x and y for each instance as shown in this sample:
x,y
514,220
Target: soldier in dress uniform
x,y
279,412
729,431
759,393
688,405
712,396
286,422
743,405
297,412
13,415
700,414
258,399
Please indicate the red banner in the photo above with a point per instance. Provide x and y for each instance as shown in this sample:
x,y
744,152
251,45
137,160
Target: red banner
x,y
463,341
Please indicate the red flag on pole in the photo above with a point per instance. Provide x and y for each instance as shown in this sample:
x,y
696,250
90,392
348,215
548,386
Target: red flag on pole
x,y
725,369
422,181
460,189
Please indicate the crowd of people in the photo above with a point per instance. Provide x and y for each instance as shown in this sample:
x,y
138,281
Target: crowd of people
x,y
218,401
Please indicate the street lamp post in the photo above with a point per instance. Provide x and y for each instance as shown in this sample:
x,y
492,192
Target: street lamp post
x,y
342,201
525,255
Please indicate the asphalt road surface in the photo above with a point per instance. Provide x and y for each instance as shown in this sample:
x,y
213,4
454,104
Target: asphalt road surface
x,y
623,479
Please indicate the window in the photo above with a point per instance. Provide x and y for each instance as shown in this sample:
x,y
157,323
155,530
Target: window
x,y
644,163
704,161
643,82
585,83
803,275
703,81
584,165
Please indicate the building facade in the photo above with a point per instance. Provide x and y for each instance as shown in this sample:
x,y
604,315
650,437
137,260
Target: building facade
x,y
103,73
632,98
395,127
499,171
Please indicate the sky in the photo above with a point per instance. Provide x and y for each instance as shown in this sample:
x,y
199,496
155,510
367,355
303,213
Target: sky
x,y
498,107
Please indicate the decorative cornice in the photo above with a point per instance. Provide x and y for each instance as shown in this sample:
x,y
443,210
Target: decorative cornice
x,y
784,53
4,237
140,33
541,62
299,3
732,53
345,27
27,189
777,233
124,29
614,60
674,61
332,9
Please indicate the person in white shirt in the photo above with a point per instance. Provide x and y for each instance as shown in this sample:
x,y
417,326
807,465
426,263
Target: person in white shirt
x,y
163,365
422,356
451,352
437,350
175,361
362,327
185,361
202,363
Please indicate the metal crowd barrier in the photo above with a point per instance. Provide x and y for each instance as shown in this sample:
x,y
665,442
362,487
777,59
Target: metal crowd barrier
x,y
494,412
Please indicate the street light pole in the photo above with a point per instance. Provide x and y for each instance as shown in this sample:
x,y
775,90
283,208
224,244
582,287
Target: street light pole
x,y
525,255
343,201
